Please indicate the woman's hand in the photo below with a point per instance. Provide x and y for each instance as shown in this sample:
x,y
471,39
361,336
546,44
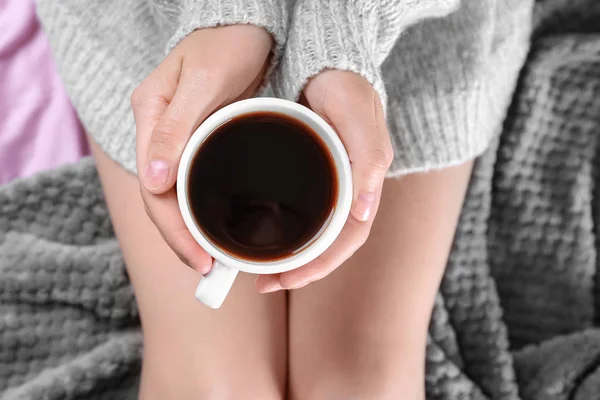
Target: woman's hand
x,y
207,70
349,103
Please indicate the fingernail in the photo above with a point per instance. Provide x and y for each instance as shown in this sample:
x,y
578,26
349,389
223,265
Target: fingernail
x,y
364,206
156,174
272,287
204,268
201,269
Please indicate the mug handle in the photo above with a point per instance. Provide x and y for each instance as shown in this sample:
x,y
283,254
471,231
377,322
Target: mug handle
x,y
215,285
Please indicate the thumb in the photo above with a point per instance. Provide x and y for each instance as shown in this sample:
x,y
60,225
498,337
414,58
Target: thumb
x,y
195,98
371,156
352,106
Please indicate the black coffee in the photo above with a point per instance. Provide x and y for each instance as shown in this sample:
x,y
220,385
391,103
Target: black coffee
x,y
261,186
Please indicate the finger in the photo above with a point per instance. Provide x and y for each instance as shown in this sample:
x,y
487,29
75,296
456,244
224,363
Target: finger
x,y
351,105
268,283
198,94
353,236
149,102
164,213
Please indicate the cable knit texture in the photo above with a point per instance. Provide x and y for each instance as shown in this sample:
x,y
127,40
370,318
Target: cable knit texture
x,y
517,310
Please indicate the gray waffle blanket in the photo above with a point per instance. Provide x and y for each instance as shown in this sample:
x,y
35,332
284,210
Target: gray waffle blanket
x,y
516,313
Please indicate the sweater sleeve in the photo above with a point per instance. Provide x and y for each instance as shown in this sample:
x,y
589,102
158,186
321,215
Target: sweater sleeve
x,y
271,15
445,70
104,49
352,35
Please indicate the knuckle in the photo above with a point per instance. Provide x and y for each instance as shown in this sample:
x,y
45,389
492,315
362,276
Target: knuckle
x,y
170,81
137,97
166,134
378,160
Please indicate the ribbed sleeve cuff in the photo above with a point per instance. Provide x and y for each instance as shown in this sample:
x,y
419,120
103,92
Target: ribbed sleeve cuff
x,y
325,35
268,14
431,131
434,125
451,116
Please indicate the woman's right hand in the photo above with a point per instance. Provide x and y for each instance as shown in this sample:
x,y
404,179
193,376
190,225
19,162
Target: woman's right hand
x,y
207,70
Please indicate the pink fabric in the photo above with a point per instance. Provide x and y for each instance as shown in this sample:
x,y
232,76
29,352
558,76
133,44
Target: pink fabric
x,y
38,127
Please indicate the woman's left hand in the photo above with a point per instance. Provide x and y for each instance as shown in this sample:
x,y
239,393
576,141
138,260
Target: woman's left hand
x,y
350,104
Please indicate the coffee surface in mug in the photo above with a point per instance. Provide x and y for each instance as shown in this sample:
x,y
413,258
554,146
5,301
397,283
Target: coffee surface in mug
x,y
261,186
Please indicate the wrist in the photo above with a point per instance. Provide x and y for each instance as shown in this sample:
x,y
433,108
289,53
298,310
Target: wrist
x,y
270,15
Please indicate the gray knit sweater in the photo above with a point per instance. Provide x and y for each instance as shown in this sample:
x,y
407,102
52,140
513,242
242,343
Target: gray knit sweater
x,y
517,313
445,68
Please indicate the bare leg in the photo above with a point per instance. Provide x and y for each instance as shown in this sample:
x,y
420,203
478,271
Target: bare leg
x,y
190,351
361,332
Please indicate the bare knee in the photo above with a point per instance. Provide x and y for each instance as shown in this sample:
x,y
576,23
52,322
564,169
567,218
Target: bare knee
x,y
343,389
224,387
233,391
364,381
176,376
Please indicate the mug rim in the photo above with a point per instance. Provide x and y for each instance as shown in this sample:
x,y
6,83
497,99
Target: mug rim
x,y
322,240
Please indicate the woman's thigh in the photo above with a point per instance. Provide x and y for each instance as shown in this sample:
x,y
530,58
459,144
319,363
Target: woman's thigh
x,y
361,332
191,351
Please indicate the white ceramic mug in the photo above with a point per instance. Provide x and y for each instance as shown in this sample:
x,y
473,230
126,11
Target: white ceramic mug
x,y
213,288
